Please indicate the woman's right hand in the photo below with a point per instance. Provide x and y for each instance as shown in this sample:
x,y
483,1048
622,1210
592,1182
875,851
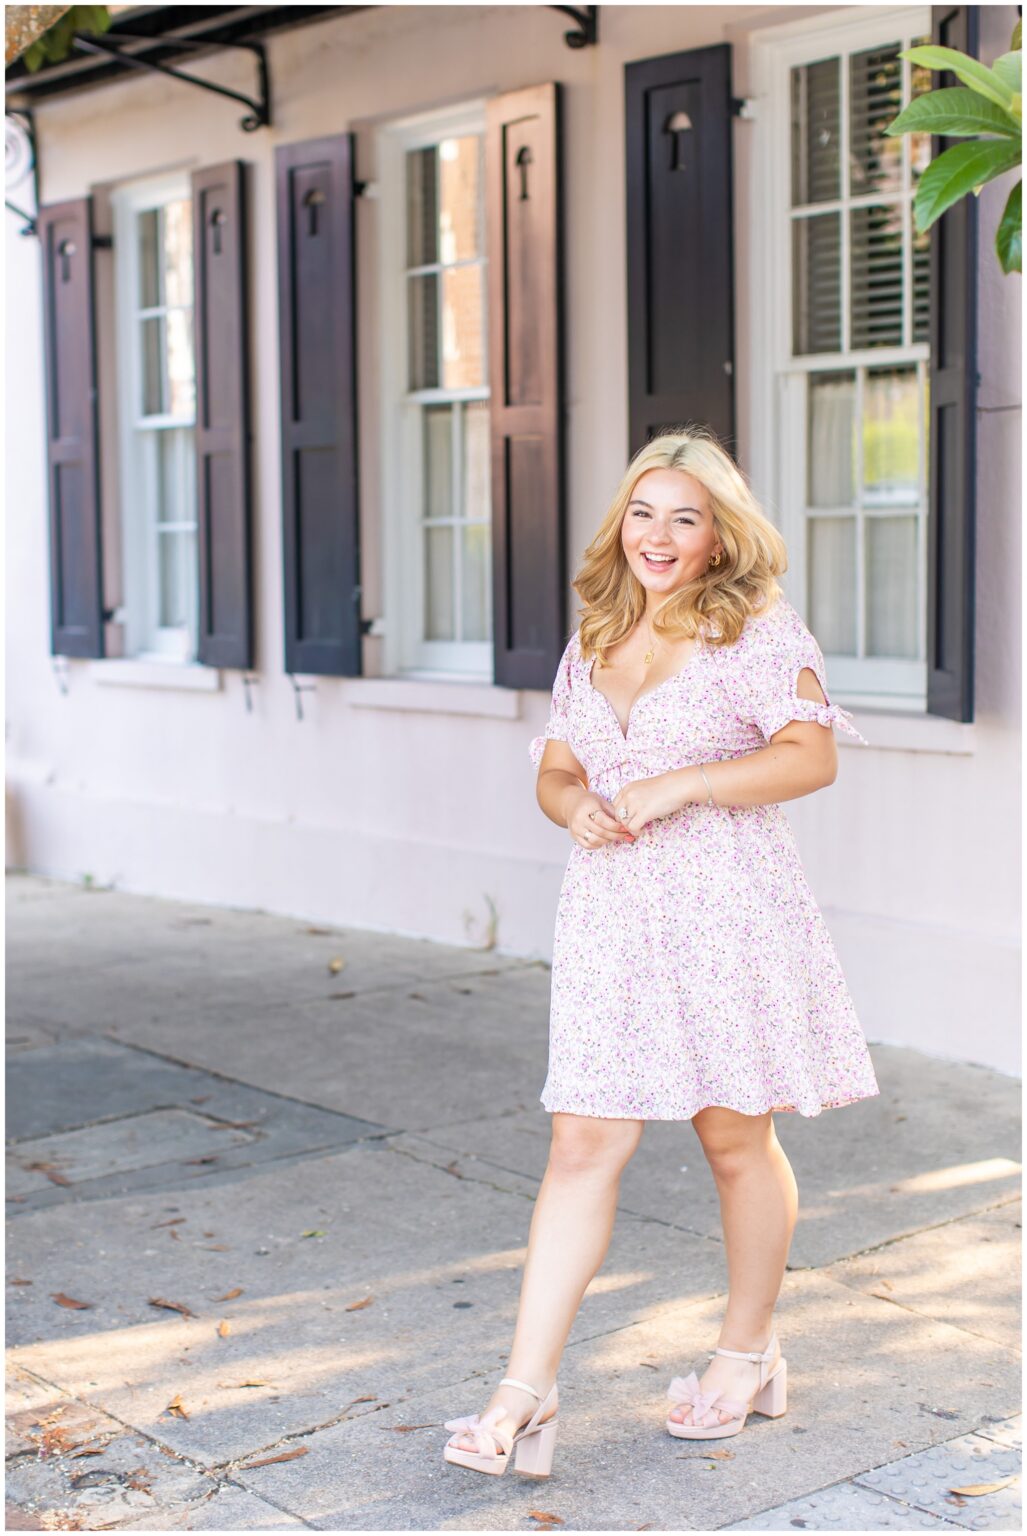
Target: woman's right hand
x,y
591,831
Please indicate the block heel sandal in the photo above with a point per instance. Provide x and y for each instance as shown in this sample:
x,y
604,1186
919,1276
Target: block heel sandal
x,y
532,1446
770,1397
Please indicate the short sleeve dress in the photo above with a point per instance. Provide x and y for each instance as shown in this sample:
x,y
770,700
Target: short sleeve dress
x,y
693,966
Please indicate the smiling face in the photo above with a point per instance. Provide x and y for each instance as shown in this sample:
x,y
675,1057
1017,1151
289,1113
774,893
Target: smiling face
x,y
668,515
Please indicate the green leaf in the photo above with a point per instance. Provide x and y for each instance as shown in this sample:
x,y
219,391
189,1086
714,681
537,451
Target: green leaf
x,y
1017,34
57,42
1008,67
961,169
971,71
1009,236
953,110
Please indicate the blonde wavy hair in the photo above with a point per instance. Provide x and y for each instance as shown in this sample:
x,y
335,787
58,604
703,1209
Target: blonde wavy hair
x,y
724,596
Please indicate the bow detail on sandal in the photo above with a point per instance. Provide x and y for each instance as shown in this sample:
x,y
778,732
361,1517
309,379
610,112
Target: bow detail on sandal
x,y
482,1429
530,1448
770,1397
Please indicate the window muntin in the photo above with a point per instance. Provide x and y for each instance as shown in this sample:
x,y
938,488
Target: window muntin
x,y
157,390
859,332
446,362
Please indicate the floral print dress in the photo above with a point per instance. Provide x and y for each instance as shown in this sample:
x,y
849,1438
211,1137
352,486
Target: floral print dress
x,y
693,967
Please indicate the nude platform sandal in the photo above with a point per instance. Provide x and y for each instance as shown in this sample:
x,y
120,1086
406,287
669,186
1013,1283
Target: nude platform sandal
x,y
532,1445
770,1397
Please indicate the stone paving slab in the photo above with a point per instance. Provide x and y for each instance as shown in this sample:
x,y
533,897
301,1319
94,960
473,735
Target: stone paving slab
x,y
1004,1431
966,1273
413,1057
440,1255
54,1093
616,1468
926,1480
845,1507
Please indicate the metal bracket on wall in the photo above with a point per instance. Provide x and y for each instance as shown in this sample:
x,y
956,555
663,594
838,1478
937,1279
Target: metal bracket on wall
x,y
587,19
20,157
259,115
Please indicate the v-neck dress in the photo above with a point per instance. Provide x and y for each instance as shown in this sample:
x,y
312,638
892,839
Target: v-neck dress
x,y
693,967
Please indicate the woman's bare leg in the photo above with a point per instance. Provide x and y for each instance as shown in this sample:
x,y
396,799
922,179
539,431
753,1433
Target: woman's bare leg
x,y
758,1206
567,1242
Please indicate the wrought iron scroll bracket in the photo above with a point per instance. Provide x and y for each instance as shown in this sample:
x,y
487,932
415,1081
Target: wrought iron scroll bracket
x,y
21,129
259,115
586,18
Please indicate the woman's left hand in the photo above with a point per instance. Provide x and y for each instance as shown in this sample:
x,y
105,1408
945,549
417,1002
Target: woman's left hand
x,y
648,799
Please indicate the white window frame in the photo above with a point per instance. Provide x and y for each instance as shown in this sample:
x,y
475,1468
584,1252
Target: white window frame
x,y
145,641
780,381
401,449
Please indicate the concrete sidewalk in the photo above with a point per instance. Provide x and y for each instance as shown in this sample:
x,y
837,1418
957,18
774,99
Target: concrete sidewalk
x,y
268,1218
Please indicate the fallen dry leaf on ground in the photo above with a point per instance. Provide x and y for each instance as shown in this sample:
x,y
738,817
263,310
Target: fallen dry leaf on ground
x,y
176,1406
224,1328
540,1514
265,1461
68,1301
355,1306
172,1306
230,1295
172,1221
976,1489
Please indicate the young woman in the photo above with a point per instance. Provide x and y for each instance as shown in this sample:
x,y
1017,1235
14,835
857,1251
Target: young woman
x,y
693,975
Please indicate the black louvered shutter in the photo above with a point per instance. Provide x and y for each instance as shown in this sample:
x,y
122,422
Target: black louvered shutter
x,y
73,475
680,272
316,312
523,215
223,497
952,431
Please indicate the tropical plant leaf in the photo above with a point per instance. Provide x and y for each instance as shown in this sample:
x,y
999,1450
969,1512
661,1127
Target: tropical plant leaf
x,y
961,169
954,110
1009,67
57,42
1009,236
971,71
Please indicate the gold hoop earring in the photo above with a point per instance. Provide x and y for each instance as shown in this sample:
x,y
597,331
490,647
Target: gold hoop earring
x,y
714,559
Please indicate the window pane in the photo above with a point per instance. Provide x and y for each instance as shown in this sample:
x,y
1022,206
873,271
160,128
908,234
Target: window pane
x,y
921,81
875,100
460,171
176,552
177,229
831,562
876,276
149,258
921,285
423,331
891,438
891,563
831,438
476,623
463,333
153,366
422,207
477,476
171,502
816,160
816,284
438,584
181,382
438,461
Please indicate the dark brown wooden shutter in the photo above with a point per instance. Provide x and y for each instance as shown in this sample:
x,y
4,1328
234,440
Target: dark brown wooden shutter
x,y
952,430
523,207
680,273
223,499
73,474
316,312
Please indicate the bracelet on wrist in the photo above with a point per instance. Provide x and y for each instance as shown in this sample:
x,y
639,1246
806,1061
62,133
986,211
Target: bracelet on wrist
x,y
710,800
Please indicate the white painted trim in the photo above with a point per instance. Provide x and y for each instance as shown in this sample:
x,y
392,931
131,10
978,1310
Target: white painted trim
x,y
778,439
129,672
401,450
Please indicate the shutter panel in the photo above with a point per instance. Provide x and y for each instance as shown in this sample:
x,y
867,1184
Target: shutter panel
x,y
73,475
222,416
952,429
316,311
680,251
523,216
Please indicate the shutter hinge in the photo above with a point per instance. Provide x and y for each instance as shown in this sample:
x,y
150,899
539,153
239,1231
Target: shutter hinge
x,y
745,107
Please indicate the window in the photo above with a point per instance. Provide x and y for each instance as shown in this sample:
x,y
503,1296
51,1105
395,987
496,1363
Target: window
x,y
854,355
436,442
153,256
